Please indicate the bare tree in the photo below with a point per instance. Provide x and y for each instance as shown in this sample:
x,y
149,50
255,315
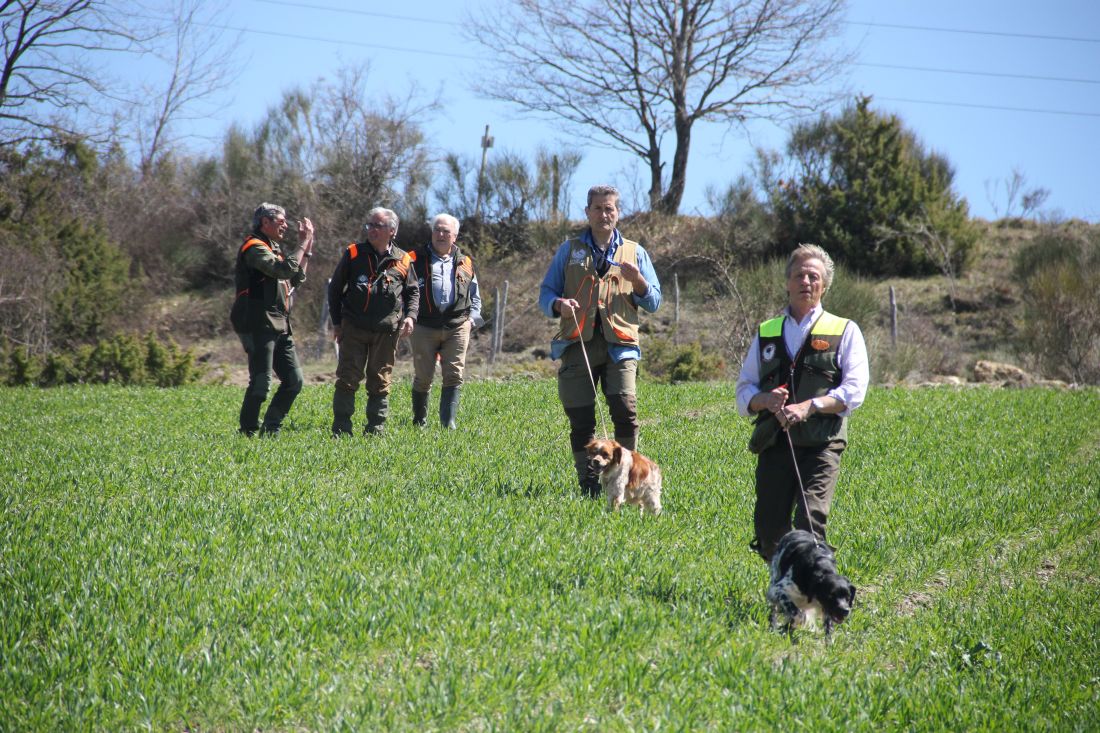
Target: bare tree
x,y
633,70
49,74
1030,200
198,62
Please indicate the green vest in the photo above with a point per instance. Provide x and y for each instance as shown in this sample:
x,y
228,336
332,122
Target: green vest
x,y
609,298
812,373
261,302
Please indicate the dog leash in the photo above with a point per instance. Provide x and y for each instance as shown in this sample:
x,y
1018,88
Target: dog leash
x,y
588,366
801,487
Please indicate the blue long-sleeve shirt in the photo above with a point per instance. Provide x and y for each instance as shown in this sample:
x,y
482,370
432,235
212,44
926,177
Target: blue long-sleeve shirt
x,y
553,287
443,286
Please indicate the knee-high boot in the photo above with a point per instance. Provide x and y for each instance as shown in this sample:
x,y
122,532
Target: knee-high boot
x,y
343,408
378,408
448,406
420,408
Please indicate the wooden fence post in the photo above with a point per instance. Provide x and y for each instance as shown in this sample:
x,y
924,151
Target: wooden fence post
x,y
893,318
676,312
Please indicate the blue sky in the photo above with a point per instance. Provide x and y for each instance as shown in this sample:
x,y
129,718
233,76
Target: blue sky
x,y
992,85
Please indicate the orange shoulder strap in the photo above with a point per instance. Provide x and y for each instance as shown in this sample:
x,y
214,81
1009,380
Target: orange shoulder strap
x,y
250,242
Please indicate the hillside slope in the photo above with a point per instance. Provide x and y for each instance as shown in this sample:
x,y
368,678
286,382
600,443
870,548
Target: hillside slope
x,y
944,325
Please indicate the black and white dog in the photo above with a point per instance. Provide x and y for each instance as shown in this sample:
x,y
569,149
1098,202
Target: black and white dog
x,y
805,582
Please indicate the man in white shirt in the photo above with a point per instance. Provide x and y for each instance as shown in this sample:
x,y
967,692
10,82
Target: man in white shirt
x,y
805,373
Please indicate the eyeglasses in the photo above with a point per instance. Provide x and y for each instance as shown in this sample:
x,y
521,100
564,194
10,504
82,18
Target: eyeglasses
x,y
377,225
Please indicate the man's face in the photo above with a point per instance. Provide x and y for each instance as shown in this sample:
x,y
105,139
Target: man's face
x,y
273,227
603,214
806,284
379,232
443,236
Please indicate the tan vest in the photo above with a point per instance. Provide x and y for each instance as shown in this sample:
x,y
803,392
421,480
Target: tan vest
x,y
608,298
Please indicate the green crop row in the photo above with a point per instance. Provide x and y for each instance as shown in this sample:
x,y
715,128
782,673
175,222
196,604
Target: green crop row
x,y
158,571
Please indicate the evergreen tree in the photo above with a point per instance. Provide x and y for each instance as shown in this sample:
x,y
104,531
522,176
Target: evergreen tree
x,y
865,188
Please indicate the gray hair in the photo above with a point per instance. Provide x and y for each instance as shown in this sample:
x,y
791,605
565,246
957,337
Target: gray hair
x,y
268,211
390,216
449,219
811,252
603,190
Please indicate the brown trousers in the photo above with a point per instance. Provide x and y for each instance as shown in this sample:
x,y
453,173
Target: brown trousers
x,y
368,353
777,492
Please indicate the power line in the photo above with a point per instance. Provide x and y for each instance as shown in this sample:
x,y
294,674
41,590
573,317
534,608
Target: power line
x,y
351,11
990,106
973,32
979,73
934,29
342,42
427,52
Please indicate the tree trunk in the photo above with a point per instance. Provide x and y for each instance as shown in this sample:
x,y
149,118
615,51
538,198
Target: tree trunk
x,y
655,166
670,202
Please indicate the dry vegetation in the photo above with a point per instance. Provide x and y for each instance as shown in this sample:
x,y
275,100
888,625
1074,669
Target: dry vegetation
x,y
944,325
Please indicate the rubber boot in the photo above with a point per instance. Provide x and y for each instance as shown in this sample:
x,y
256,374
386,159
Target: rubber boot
x,y
420,408
343,408
378,407
588,480
448,406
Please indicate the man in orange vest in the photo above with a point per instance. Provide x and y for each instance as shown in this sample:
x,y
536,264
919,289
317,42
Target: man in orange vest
x,y
265,277
595,285
373,300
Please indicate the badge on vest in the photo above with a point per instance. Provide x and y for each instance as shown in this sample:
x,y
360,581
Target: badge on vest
x,y
577,257
819,344
768,353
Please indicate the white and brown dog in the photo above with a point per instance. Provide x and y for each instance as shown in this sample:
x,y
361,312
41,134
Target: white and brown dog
x,y
627,476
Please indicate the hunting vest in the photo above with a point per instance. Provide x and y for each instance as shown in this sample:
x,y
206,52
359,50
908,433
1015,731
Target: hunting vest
x,y
373,295
430,314
812,373
261,301
607,301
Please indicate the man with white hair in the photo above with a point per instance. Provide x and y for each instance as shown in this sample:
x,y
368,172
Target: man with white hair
x,y
804,374
450,307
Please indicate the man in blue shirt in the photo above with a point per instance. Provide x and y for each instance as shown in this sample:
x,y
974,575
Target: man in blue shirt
x,y
595,285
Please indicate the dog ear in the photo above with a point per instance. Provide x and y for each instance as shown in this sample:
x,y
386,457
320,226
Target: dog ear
x,y
618,454
851,593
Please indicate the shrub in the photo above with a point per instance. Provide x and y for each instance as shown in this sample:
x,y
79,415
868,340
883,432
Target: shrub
x,y
672,363
865,188
1060,274
121,359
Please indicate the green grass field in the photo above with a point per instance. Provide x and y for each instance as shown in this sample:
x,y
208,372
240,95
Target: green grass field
x,y
159,572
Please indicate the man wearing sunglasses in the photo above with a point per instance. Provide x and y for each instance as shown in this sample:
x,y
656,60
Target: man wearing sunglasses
x,y
373,300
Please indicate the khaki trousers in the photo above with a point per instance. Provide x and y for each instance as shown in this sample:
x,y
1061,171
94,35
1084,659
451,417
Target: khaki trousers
x,y
449,344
